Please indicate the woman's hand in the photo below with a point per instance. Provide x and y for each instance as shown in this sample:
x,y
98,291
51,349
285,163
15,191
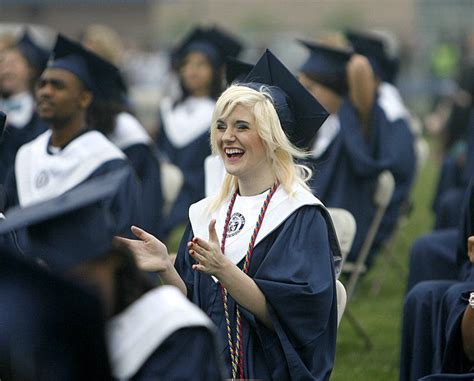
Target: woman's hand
x,y
208,254
150,253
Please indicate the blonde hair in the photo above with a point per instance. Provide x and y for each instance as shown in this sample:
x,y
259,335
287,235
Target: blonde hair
x,y
280,151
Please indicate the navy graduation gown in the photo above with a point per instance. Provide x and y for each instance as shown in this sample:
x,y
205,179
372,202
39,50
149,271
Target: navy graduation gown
x,y
188,354
346,175
147,167
50,328
293,267
190,160
13,138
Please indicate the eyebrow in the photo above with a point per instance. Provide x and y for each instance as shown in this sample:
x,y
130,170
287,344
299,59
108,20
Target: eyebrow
x,y
241,121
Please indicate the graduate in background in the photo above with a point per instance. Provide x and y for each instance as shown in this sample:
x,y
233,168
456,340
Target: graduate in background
x,y
69,153
425,313
183,136
109,114
20,67
356,143
152,333
261,257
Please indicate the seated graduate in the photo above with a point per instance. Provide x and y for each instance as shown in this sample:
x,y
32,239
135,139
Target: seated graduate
x,y
400,143
21,65
110,115
261,257
152,333
69,153
355,144
425,311
183,136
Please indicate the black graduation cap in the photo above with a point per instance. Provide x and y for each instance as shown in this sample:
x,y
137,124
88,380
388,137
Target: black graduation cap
x,y
51,329
374,49
327,65
236,70
72,228
299,112
98,75
34,54
215,43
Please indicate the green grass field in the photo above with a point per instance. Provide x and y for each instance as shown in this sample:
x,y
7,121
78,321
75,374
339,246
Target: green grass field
x,y
380,314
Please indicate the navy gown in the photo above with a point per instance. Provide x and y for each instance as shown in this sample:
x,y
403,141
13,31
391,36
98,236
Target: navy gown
x,y
345,176
293,267
13,138
190,160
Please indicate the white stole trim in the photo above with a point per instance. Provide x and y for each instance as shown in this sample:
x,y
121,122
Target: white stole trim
x,y
214,173
21,115
133,335
188,120
42,176
391,102
325,135
281,206
128,131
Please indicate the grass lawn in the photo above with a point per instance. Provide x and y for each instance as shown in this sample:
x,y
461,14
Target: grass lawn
x,y
380,314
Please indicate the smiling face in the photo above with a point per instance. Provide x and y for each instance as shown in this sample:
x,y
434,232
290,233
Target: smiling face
x,y
240,146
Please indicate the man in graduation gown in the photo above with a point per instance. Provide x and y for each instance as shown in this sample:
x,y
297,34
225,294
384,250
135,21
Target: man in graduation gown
x,y
69,153
21,66
152,333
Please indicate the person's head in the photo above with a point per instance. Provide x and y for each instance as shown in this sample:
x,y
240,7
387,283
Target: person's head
x,y
199,60
115,277
16,74
61,97
246,132
104,41
198,76
324,74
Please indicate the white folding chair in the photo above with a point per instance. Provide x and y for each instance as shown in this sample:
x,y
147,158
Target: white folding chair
x,y
345,227
171,183
382,196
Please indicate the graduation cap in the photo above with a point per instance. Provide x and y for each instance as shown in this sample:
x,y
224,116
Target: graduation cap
x,y
98,75
236,70
327,66
215,43
34,54
374,49
299,112
72,228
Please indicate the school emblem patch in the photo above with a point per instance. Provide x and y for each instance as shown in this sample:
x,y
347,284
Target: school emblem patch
x,y
41,180
236,224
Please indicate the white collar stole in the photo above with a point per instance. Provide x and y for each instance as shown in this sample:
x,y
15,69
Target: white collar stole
x,y
41,176
133,335
281,206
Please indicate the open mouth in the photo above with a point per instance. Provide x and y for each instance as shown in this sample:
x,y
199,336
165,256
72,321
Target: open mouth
x,y
234,153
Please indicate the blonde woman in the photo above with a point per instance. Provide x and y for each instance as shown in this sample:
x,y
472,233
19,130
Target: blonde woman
x,y
259,258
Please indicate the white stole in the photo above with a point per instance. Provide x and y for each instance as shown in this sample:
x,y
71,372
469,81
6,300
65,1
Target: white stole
x,y
281,206
19,109
42,176
133,335
128,131
325,135
188,120
391,103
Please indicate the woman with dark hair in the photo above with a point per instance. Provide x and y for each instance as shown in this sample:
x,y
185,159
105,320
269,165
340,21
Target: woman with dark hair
x,y
20,67
183,137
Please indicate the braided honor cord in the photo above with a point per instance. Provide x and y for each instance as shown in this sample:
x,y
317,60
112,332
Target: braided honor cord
x,y
237,351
